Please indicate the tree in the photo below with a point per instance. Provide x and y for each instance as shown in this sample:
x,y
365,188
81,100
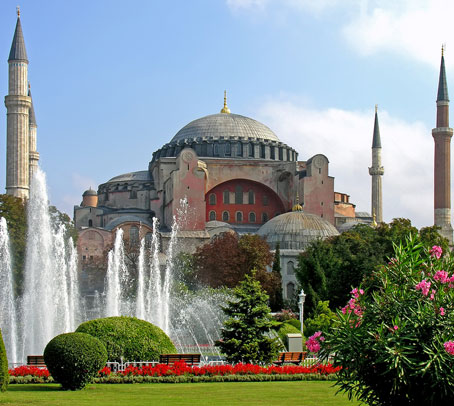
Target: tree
x,y
4,376
59,218
322,320
328,269
396,343
277,301
244,336
13,210
227,258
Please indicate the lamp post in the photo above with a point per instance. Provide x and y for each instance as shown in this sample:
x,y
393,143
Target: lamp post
x,y
302,298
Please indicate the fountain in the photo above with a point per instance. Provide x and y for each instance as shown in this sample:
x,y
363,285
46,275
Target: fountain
x,y
8,324
50,302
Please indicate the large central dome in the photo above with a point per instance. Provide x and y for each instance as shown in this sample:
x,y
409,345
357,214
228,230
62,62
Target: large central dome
x,y
225,126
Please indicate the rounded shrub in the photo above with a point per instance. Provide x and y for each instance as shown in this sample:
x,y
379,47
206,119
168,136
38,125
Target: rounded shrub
x,y
74,359
295,323
287,328
4,376
129,338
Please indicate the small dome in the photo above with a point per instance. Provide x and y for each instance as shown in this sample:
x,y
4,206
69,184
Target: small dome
x,y
296,230
226,126
90,192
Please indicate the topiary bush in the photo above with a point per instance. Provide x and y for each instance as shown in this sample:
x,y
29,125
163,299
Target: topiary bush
x,y
4,376
129,338
287,328
74,359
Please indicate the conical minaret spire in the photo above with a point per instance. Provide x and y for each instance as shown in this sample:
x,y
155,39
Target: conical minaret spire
x,y
18,104
32,131
376,171
442,135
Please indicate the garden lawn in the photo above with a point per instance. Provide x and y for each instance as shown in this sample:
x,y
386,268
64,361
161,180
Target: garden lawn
x,y
312,393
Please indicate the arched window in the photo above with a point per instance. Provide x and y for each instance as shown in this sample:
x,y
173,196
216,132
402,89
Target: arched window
x,y
251,149
239,149
264,217
148,239
251,197
212,215
228,149
90,223
290,268
290,290
225,216
251,217
133,234
216,149
238,194
262,151
265,201
239,217
212,199
226,197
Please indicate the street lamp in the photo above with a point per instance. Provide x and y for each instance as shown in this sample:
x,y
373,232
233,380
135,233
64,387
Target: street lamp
x,y
302,298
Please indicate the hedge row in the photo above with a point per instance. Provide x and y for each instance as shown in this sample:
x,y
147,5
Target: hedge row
x,y
118,379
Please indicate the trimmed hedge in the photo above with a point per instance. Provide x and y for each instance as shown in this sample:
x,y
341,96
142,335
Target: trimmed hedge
x,y
74,359
4,376
285,329
129,338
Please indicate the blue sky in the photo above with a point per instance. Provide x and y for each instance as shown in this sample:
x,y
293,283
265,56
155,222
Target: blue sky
x,y
113,81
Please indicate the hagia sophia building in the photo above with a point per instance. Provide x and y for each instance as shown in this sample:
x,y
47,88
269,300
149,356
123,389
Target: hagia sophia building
x,y
234,172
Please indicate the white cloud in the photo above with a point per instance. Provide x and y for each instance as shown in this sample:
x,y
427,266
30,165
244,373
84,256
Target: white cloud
x,y
415,28
345,137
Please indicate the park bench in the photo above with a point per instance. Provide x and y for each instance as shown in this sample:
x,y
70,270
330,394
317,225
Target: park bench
x,y
36,361
170,359
290,358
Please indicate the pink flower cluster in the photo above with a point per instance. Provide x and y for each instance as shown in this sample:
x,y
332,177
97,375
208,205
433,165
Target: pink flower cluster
x,y
443,277
424,287
313,343
436,252
352,305
449,347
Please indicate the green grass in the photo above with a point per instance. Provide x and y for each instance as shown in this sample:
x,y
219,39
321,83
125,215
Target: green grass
x,y
313,393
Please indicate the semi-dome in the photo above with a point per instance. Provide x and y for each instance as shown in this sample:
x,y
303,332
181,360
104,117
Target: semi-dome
x,y
296,230
225,126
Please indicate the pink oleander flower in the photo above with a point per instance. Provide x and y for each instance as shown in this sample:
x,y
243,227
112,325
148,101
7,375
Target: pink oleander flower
x,y
436,251
313,343
442,311
449,347
441,276
432,295
424,287
396,327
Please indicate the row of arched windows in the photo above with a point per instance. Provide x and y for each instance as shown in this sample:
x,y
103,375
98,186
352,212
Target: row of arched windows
x,y
238,217
238,198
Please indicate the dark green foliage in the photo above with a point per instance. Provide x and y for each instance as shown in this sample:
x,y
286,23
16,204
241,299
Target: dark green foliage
x,y
129,338
328,269
295,323
244,336
13,210
4,376
74,359
287,328
391,340
277,301
322,319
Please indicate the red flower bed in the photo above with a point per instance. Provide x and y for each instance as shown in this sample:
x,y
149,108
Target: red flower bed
x,y
181,368
25,370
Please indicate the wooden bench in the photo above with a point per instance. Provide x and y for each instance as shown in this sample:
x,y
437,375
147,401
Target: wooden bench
x,y
36,361
290,358
170,359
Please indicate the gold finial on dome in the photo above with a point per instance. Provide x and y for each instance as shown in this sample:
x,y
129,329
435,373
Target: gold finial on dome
x,y
225,109
18,11
297,206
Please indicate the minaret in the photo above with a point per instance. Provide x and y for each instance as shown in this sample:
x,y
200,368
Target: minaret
x,y
377,171
32,131
17,104
442,170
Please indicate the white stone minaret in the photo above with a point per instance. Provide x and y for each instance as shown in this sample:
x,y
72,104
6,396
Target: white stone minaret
x,y
18,105
377,171
32,132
